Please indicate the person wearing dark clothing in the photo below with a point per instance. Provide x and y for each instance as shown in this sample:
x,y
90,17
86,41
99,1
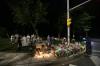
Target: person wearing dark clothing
x,y
88,46
19,43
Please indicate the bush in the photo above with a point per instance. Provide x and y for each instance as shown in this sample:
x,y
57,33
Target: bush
x,y
56,42
3,32
4,43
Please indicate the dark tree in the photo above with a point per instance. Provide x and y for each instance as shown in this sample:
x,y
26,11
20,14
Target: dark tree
x,y
82,23
28,13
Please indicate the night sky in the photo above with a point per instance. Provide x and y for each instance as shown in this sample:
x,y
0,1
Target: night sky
x,y
93,8
55,8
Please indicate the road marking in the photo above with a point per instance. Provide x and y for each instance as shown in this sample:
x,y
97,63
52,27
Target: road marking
x,y
72,65
96,60
10,57
95,51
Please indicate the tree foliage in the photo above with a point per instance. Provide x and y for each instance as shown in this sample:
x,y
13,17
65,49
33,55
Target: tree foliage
x,y
28,12
61,22
82,22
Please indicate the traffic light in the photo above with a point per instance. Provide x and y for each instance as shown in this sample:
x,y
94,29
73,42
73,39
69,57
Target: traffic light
x,y
68,22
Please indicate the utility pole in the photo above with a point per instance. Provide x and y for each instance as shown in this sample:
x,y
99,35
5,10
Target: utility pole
x,y
68,23
69,19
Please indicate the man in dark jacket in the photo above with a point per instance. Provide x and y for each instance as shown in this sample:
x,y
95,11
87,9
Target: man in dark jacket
x,y
88,46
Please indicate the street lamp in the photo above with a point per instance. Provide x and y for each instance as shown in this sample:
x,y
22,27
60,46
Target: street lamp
x,y
69,19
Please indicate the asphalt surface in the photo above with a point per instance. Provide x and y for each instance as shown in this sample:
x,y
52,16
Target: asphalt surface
x,y
95,47
25,59
93,59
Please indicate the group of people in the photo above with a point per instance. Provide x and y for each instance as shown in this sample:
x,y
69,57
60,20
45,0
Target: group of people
x,y
30,40
22,40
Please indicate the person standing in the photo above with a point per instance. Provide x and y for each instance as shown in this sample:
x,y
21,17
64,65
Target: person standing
x,y
28,39
16,40
88,46
48,40
12,39
23,40
19,43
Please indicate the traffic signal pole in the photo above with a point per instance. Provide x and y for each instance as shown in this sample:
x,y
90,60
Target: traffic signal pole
x,y
79,5
69,19
68,27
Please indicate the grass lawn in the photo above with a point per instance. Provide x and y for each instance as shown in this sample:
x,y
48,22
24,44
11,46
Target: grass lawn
x,y
5,45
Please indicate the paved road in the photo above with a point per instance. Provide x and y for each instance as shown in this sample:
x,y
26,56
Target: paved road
x,y
24,59
94,59
96,47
